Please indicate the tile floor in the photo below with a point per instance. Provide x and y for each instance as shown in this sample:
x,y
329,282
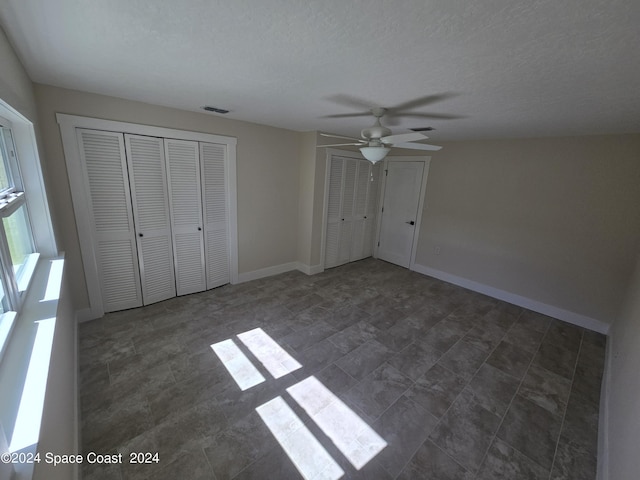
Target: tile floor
x,y
458,385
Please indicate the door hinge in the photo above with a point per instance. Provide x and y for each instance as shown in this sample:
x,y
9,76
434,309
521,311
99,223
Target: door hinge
x,y
382,209
386,173
378,243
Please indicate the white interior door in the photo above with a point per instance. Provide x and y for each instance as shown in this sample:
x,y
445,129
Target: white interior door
x,y
213,165
145,158
363,179
185,205
400,210
370,215
103,155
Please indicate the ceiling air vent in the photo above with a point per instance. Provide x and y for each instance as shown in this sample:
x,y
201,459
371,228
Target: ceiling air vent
x,y
215,109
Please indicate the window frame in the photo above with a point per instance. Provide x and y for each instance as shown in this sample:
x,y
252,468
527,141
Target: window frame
x,y
15,283
18,135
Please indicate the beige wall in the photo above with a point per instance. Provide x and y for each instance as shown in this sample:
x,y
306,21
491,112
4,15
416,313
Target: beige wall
x,y
306,200
267,163
623,402
555,220
15,85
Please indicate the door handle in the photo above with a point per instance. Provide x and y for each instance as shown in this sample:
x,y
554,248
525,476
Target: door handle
x,y
140,235
411,222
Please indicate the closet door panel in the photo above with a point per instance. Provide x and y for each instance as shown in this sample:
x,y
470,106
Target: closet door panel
x,y
215,214
103,155
185,204
146,165
334,209
373,191
360,210
348,201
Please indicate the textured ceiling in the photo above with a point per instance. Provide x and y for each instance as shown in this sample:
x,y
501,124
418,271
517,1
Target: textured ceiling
x,y
514,68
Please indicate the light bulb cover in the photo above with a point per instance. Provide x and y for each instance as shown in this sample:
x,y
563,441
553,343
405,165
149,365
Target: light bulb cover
x,y
374,154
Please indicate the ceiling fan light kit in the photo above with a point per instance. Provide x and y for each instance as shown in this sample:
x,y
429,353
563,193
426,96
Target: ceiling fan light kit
x,y
378,140
374,154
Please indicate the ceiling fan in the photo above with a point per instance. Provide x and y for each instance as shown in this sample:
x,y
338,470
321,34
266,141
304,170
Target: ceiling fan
x,y
377,140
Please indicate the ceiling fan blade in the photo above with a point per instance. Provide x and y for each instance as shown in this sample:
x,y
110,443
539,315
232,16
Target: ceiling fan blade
x,y
348,115
422,101
417,146
352,102
435,116
403,137
341,136
340,145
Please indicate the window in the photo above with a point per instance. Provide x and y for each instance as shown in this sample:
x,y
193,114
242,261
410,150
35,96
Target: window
x,y
17,251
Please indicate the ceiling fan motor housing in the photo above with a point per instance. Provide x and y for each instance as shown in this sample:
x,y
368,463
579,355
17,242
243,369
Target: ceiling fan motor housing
x,y
375,132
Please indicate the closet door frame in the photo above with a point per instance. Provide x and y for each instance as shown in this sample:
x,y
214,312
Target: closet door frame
x,y
330,153
80,193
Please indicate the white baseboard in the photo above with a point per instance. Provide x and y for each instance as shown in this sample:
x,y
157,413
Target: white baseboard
x,y
524,302
603,417
267,272
310,269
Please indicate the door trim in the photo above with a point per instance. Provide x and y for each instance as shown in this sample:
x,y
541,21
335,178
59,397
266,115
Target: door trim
x,y
423,189
83,217
330,153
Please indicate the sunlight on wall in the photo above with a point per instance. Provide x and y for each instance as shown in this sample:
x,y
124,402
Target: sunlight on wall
x,y
237,364
274,358
354,438
27,427
304,450
55,281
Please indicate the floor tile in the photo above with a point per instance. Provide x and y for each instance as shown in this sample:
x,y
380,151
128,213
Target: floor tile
x,y
404,426
573,462
510,359
556,359
379,390
546,389
354,336
503,461
466,431
463,359
415,360
532,430
436,390
493,389
432,463
364,359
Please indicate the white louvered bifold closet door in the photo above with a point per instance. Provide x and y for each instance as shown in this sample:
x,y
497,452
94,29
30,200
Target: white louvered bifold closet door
x,y
346,215
334,208
373,192
148,182
363,179
215,208
103,155
185,205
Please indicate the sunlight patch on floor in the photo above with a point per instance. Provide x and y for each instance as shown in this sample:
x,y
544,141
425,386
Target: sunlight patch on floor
x,y
305,451
274,358
353,436
237,364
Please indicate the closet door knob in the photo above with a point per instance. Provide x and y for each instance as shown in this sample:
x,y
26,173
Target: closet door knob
x,y
140,235
411,222
199,229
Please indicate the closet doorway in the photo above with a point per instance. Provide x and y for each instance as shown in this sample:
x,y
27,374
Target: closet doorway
x,y
155,210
